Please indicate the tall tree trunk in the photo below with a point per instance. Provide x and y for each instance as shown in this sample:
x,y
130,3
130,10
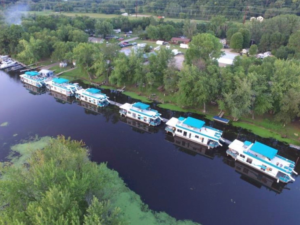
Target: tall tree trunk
x,y
204,107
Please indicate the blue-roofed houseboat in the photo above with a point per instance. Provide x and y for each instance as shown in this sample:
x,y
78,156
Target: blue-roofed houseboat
x,y
92,96
141,112
37,79
263,158
62,86
194,130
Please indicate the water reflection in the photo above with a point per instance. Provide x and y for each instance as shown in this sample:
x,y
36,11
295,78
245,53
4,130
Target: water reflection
x,y
34,90
138,126
189,147
60,98
254,177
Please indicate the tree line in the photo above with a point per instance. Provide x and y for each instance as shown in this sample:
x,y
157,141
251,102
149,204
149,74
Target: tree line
x,y
251,85
200,9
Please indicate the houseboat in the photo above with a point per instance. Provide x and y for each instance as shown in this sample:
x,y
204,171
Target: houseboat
x,y
62,86
92,96
7,63
37,79
194,130
263,158
141,112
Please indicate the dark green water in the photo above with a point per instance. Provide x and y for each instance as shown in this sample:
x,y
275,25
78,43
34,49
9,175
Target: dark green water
x,y
171,175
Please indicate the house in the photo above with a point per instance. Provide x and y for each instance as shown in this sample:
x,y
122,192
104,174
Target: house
x,y
178,40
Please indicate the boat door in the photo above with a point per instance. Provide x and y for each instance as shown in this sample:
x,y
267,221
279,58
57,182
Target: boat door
x,y
190,135
184,133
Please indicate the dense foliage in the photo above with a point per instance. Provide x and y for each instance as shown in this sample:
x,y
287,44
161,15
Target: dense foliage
x,y
203,9
52,181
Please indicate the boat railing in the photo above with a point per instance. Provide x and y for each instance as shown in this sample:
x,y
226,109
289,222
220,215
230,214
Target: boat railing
x,y
169,129
234,155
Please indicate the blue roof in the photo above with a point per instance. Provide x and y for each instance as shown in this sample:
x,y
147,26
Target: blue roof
x,y
264,150
60,80
190,121
247,143
32,73
181,118
93,90
141,105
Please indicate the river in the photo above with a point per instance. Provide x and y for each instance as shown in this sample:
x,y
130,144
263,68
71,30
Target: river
x,y
171,175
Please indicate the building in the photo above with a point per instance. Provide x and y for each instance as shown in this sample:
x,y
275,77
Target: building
x,y
177,40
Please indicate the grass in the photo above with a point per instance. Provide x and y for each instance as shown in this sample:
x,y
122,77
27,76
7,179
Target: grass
x,y
136,96
104,16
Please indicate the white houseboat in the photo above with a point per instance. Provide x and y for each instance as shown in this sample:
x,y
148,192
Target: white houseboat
x,y
7,63
35,78
92,96
194,130
62,86
141,112
263,158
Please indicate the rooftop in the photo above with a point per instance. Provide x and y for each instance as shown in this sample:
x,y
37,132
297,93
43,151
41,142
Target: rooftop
x,y
264,150
93,90
192,122
141,105
32,73
60,80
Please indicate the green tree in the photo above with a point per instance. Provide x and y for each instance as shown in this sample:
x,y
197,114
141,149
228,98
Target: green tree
x,y
189,28
237,41
253,50
294,41
246,37
153,32
204,47
103,28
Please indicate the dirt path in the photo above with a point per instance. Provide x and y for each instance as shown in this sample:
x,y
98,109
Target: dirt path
x,y
49,66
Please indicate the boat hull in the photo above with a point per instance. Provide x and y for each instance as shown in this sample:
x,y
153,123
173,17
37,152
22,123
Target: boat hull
x,y
60,91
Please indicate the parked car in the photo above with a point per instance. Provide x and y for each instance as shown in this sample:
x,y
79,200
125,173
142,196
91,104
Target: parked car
x,y
125,44
134,43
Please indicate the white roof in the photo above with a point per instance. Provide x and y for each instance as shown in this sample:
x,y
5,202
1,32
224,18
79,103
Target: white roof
x,y
237,145
172,122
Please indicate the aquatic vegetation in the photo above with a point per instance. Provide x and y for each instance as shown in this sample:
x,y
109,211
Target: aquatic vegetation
x,y
4,124
51,171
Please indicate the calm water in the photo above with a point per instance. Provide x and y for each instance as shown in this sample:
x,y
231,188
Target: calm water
x,y
186,182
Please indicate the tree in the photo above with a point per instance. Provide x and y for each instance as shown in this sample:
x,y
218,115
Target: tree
x,y
69,191
153,32
171,79
253,50
204,47
294,41
237,41
246,37
189,28
166,31
217,24
103,28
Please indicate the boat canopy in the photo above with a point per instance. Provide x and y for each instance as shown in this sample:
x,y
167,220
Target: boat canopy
x,y
32,73
60,80
247,143
264,150
192,122
93,90
141,105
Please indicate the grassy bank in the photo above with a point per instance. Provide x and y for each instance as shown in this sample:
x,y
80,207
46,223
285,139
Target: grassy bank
x,y
263,126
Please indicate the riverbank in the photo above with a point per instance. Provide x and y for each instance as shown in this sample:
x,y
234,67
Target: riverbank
x,y
263,126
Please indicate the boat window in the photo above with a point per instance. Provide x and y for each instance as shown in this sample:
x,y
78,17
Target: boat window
x,y
184,133
196,136
179,131
263,168
129,112
249,160
242,156
190,135
133,114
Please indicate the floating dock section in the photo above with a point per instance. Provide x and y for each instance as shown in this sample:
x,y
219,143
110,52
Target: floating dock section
x,y
221,120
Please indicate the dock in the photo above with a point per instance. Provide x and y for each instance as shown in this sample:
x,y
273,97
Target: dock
x,y
221,120
114,103
226,141
295,146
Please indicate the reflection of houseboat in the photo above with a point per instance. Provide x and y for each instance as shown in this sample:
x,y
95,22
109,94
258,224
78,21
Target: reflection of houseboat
x,y
257,178
262,158
139,126
35,78
92,96
34,90
62,86
194,130
89,107
190,147
141,112
61,97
